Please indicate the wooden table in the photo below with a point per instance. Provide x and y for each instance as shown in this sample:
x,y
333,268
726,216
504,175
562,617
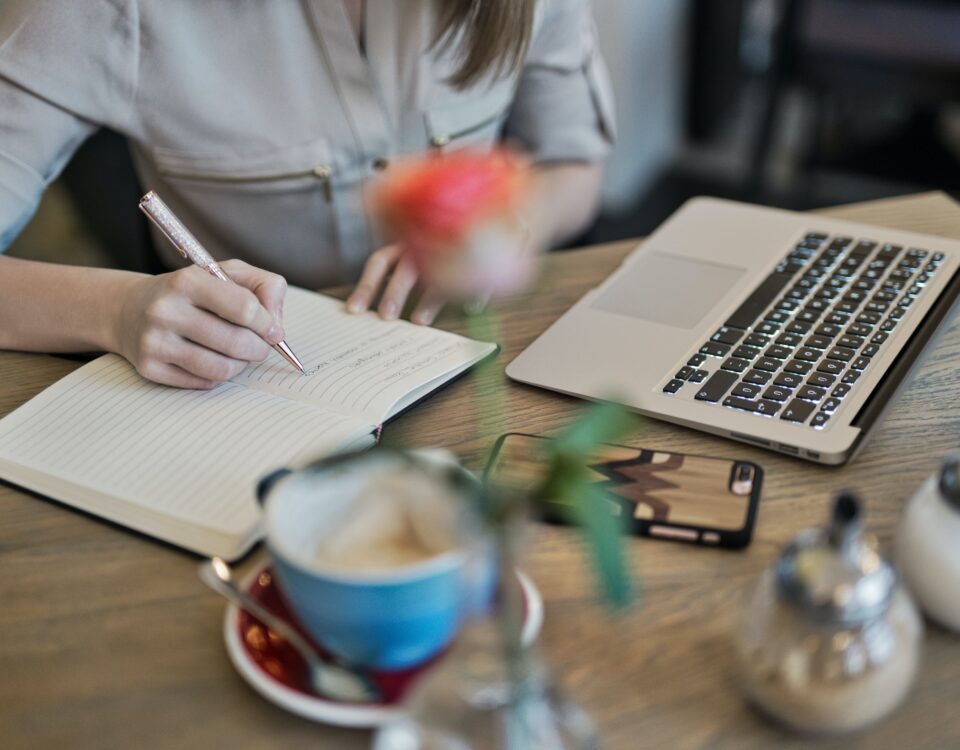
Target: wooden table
x,y
109,639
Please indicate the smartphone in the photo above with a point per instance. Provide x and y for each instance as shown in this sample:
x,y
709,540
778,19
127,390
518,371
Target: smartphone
x,y
684,498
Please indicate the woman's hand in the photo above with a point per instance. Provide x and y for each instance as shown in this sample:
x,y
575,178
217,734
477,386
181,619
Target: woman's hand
x,y
390,262
192,330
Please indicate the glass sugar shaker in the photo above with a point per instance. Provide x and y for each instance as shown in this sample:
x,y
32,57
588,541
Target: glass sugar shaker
x,y
830,640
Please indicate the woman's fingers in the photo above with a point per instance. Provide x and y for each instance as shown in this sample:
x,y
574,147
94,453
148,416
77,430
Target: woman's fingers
x,y
234,303
269,288
203,363
167,374
428,307
375,271
398,289
212,332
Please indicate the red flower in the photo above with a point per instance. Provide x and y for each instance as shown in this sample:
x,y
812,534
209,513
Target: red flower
x,y
457,215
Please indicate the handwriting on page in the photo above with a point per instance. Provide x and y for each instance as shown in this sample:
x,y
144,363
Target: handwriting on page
x,y
357,364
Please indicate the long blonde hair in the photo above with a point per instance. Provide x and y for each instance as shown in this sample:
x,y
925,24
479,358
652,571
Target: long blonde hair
x,y
495,35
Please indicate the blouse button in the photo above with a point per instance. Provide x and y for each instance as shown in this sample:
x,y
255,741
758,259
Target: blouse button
x,y
380,164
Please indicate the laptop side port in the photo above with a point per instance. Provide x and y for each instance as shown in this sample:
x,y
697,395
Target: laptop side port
x,y
793,450
750,439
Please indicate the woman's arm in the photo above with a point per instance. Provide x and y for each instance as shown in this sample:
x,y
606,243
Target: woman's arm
x,y
563,201
184,328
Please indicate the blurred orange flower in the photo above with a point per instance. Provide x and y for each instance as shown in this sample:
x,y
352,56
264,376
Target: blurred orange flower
x,y
457,215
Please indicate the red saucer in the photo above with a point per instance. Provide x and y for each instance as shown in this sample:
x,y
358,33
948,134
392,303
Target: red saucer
x,y
275,670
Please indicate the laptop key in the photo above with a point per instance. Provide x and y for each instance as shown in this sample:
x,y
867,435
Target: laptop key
x,y
735,365
819,420
841,353
756,339
746,390
740,403
715,349
851,342
818,342
750,309
696,360
718,384
727,335
768,408
828,329
850,377
684,373
788,379
787,304
699,376
811,393
821,380
789,339
757,377
673,386
830,405
797,411
767,328
841,390
776,393
837,318
799,327
809,354
859,329
870,350
830,367
768,364
879,338
746,352
888,325
860,363
798,366
826,293
779,352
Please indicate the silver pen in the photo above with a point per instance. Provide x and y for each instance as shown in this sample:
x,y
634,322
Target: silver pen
x,y
187,245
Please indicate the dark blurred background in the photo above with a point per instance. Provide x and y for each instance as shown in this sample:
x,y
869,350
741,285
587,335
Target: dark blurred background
x,y
800,104
790,103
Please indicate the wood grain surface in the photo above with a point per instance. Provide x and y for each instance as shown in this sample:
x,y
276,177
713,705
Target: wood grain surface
x,y
108,639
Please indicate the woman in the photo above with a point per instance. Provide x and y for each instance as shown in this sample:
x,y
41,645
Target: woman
x,y
259,123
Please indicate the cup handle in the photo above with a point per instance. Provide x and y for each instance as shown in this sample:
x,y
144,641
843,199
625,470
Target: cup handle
x,y
266,484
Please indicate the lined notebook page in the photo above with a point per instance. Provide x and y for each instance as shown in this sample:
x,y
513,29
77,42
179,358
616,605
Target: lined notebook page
x,y
358,364
190,455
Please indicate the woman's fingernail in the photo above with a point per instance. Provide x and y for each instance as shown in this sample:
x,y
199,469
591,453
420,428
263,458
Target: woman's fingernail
x,y
388,310
275,334
356,304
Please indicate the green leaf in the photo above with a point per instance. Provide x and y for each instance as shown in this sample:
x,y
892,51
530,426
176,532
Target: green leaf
x,y
568,483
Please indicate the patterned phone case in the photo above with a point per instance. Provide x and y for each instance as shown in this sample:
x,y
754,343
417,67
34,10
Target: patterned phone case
x,y
687,498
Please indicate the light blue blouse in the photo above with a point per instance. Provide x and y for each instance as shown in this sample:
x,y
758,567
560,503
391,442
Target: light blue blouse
x,y
260,122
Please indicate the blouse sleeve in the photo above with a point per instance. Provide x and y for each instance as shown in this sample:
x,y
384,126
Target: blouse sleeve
x,y
563,109
64,69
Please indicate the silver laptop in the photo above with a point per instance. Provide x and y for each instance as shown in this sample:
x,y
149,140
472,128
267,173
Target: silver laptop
x,y
785,330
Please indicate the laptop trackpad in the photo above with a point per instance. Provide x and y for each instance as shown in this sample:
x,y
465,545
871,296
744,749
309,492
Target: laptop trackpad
x,y
668,289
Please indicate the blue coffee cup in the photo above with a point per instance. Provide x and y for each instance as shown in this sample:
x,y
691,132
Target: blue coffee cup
x,y
386,619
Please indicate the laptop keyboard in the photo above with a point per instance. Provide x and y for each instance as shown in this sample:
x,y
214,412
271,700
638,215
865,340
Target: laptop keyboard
x,y
796,347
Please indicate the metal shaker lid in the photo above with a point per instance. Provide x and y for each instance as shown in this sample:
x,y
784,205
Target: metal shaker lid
x,y
949,480
834,574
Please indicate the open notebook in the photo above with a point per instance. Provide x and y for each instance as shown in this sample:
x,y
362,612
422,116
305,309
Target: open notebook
x,y
183,465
